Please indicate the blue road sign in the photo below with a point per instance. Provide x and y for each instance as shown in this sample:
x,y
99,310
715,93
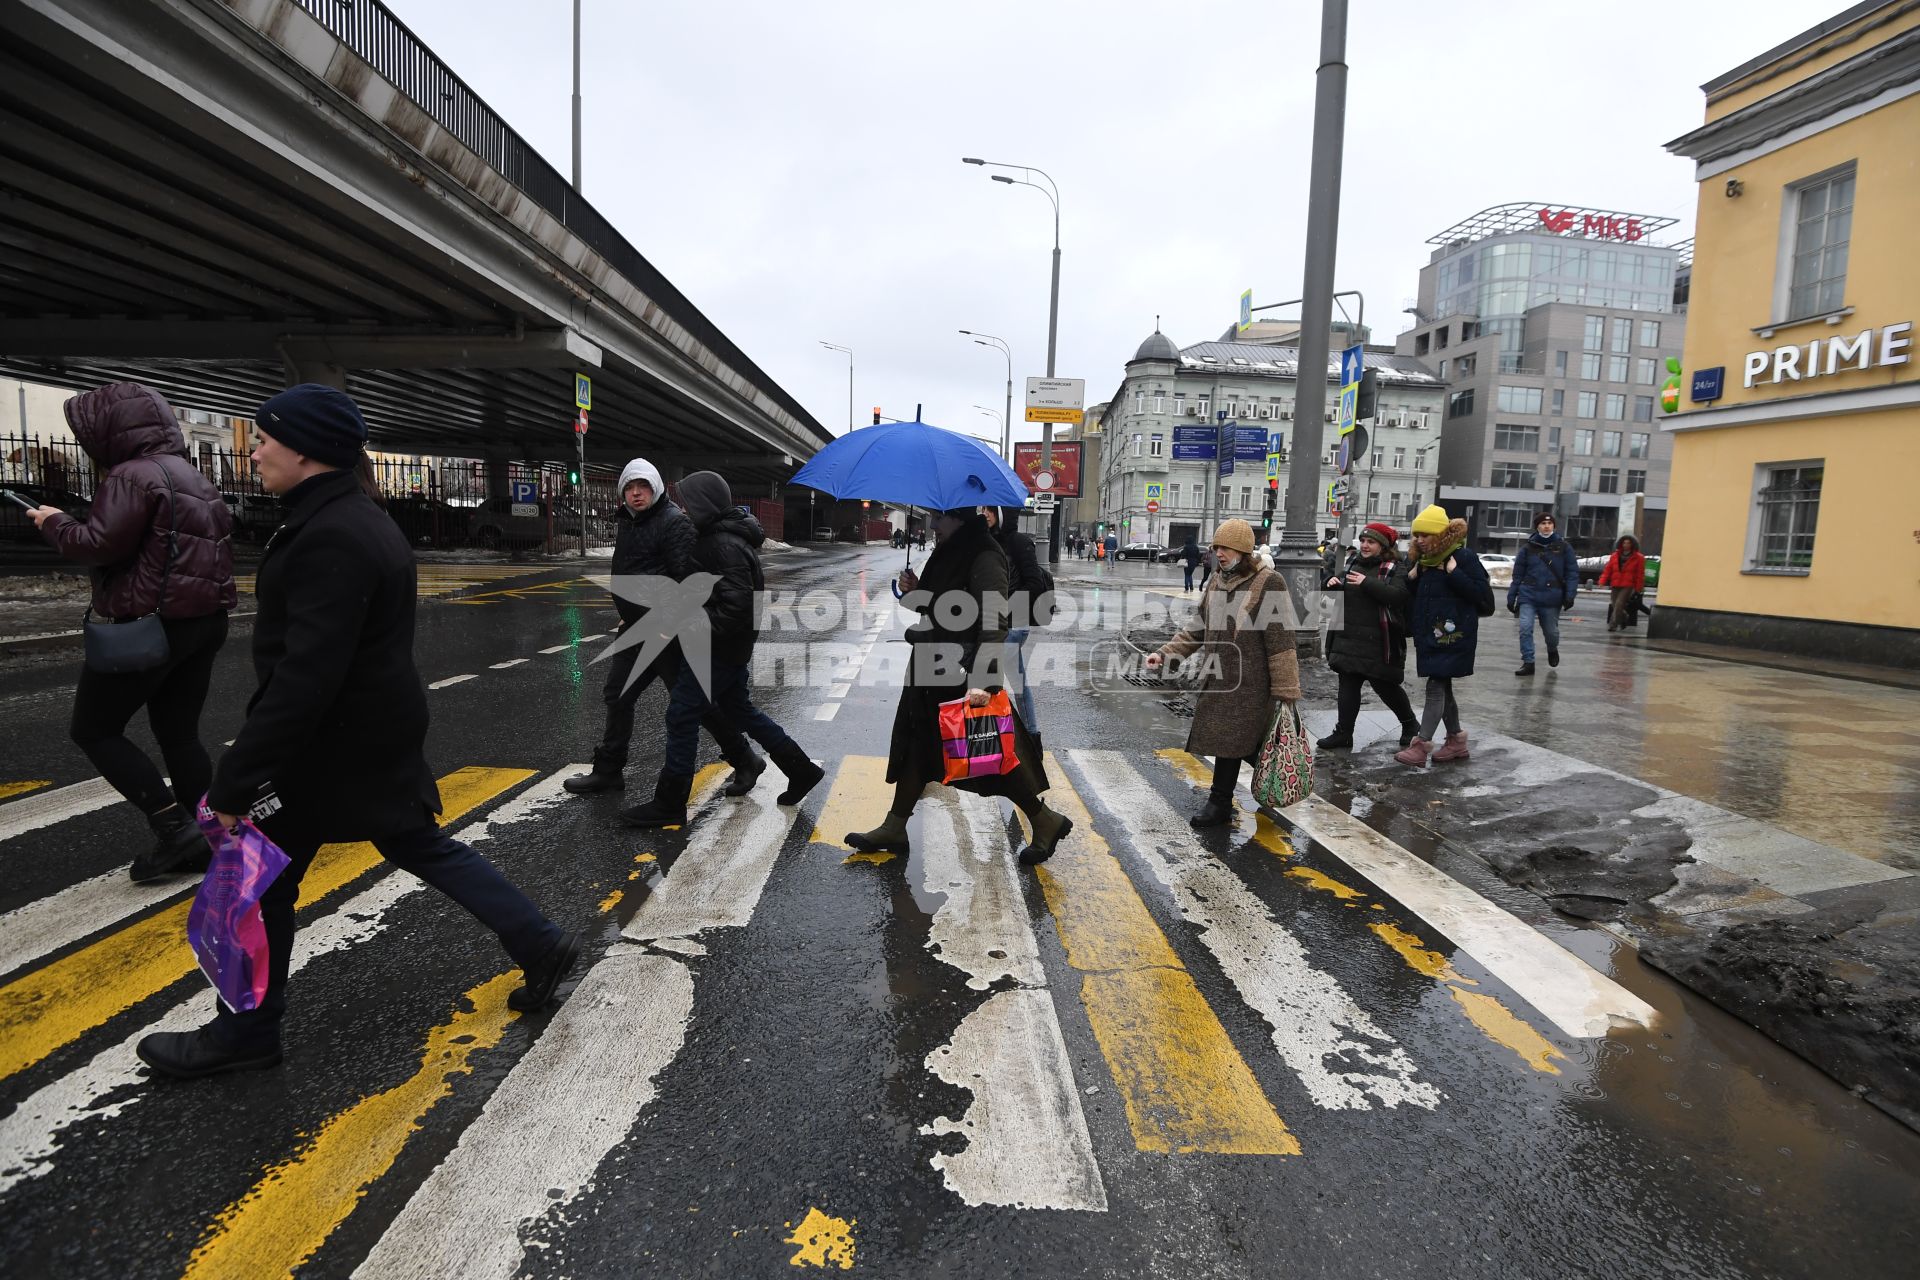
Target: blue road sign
x,y
1250,450
1194,435
1352,361
1250,435
1273,466
1184,452
1226,463
524,491
1708,384
1276,442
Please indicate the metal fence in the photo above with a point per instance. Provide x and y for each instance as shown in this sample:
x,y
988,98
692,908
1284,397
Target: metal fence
x,y
440,503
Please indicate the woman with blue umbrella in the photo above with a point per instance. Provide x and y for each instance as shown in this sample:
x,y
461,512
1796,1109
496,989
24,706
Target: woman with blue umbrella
x,y
959,645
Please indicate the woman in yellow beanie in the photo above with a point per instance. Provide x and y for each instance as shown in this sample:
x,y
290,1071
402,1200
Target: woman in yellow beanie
x,y
1245,628
1451,594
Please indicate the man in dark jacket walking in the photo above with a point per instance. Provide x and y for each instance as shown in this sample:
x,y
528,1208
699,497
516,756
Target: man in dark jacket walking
x,y
727,546
1190,558
1371,645
159,540
654,539
1546,579
333,744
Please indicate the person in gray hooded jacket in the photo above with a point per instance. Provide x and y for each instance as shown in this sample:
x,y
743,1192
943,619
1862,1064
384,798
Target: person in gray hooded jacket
x,y
653,538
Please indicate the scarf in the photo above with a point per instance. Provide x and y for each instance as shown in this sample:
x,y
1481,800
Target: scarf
x,y
1446,549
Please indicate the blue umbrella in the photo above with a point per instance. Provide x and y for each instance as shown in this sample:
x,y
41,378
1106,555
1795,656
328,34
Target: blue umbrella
x,y
915,465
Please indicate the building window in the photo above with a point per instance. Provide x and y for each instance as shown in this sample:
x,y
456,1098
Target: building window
x,y
1560,363
1616,368
1559,400
1787,507
1465,366
1553,471
1579,479
1420,345
1622,336
1460,403
1139,402
1399,459
1643,408
1512,475
1592,333
1179,403
1440,338
1616,408
1136,444
1159,402
1206,406
1173,496
1519,399
1553,439
1246,498
1419,459
1636,480
1643,372
1609,444
1649,333
1590,367
1373,503
1609,480
1823,228
1379,456
1637,446
1583,440
1443,371
1517,439
1589,404
1156,447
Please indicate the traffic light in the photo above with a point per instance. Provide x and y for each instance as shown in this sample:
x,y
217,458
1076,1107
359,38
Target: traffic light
x,y
573,475
1369,395
1273,499
876,415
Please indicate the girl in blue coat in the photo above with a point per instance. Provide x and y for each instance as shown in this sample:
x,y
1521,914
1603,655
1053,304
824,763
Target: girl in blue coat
x,y
1451,594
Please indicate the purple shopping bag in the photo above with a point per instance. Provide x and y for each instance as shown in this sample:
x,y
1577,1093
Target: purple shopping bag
x,y
224,926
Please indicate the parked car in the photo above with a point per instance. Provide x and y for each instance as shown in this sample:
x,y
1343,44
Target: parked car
x,y
1590,567
14,525
493,525
255,515
1499,568
429,522
822,533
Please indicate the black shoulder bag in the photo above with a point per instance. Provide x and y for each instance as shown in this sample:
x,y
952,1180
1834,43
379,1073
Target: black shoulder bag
x,y
138,644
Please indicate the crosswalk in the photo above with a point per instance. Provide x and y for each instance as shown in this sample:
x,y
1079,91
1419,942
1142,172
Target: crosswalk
x,y
438,581
1139,933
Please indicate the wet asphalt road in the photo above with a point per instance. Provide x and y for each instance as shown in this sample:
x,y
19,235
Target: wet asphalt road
x,y
1231,1054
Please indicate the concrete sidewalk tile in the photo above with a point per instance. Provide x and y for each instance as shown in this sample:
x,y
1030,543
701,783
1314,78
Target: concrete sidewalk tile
x,y
1701,888
1779,860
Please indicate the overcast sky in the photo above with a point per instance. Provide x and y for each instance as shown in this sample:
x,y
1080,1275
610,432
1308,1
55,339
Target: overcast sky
x,y
794,168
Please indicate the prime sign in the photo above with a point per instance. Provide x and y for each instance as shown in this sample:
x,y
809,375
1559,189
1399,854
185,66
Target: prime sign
x,y
1885,346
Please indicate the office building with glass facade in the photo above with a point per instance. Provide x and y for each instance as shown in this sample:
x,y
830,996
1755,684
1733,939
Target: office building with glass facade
x,y
1551,327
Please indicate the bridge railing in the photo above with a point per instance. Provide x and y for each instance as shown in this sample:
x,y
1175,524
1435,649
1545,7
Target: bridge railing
x,y
386,44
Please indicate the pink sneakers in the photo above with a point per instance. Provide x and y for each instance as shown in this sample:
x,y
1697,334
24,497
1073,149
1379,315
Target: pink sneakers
x,y
1455,748
1414,753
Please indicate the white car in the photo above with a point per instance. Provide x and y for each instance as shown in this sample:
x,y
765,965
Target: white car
x,y
1499,568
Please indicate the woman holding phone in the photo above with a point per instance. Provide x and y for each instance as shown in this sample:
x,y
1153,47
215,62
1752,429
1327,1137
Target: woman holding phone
x,y
159,541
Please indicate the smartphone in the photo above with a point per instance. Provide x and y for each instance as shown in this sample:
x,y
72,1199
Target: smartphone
x,y
25,504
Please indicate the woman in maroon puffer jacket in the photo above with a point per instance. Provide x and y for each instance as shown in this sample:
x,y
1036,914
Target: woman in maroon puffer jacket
x,y
148,491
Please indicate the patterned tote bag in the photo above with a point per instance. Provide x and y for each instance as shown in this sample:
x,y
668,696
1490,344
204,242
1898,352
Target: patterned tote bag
x,y
1284,774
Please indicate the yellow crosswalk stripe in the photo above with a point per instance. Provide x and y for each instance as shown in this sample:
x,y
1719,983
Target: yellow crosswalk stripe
x,y
292,1210
1488,1015
55,1005
1185,1086
8,790
858,800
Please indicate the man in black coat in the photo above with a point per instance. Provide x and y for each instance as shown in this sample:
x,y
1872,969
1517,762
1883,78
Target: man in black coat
x,y
653,539
333,744
727,547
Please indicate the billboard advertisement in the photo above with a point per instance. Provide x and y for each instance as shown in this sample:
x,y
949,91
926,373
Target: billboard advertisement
x,y
1065,482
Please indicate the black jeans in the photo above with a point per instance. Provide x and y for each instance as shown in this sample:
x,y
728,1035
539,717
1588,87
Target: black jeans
x,y
453,868
690,707
173,695
1226,772
611,755
1392,695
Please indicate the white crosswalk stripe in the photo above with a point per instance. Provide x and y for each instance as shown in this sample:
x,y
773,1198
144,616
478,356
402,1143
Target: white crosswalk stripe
x,y
36,811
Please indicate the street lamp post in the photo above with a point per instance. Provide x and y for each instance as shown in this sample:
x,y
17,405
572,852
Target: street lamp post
x,y
848,352
1006,420
576,106
1052,192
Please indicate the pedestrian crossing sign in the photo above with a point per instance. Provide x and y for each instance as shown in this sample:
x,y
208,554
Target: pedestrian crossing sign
x,y
582,392
1156,491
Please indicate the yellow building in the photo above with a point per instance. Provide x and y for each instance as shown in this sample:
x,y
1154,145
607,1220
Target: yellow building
x,y
1796,478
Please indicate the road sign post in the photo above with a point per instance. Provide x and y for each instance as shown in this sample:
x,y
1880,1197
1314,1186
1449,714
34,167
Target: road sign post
x,y
582,401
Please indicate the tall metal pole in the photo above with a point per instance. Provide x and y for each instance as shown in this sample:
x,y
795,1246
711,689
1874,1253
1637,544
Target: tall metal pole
x,y
849,390
576,117
1046,428
1006,418
581,497
1296,556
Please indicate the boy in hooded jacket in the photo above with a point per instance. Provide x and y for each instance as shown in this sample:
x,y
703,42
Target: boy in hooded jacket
x,y
652,538
727,546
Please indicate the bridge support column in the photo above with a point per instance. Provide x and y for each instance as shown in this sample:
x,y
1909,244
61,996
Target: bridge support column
x,y
305,368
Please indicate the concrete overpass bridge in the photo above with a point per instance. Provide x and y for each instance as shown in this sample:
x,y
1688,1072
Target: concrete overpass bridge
x,y
223,197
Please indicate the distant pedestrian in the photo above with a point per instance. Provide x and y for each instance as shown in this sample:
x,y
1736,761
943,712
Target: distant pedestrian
x,y
1243,627
1190,556
1546,579
652,537
1209,560
333,745
958,650
728,547
159,539
1029,582
1371,645
1450,596
1626,574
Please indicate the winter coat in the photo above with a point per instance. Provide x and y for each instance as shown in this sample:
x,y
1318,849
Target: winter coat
x,y
1372,640
1191,554
130,431
658,542
1248,666
947,659
727,544
1026,577
1629,571
1446,609
1546,574
337,728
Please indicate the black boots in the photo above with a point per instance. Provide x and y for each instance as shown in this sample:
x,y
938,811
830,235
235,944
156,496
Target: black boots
x,y
1216,812
539,980
604,777
803,775
179,847
188,1055
746,773
1553,657
1338,740
1049,829
1409,730
1525,669
668,808
889,837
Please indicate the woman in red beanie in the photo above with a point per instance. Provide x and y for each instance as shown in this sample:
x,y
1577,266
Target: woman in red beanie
x,y
1371,645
